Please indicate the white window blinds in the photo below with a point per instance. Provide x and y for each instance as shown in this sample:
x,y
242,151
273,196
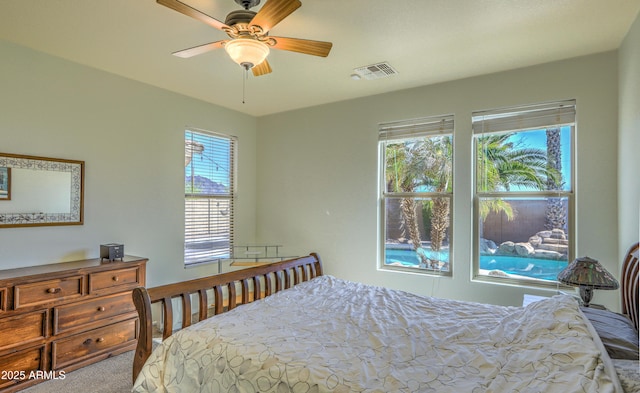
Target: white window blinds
x,y
209,196
416,127
525,118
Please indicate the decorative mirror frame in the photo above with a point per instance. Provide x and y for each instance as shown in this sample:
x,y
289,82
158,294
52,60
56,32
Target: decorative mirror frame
x,y
76,171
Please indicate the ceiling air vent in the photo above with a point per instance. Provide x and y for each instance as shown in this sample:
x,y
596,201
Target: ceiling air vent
x,y
375,71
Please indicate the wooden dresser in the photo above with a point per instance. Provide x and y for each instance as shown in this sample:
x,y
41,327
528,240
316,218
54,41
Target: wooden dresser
x,y
60,317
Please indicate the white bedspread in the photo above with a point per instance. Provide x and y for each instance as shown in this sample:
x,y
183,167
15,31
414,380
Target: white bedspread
x,y
330,335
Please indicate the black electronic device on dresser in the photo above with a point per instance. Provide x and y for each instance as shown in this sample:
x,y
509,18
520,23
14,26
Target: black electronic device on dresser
x,y
111,251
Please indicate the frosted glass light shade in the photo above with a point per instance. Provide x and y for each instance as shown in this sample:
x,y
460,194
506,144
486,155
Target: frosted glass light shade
x,y
247,52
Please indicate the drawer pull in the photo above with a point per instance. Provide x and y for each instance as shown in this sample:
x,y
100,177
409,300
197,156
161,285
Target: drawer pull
x,y
100,308
54,290
115,278
89,341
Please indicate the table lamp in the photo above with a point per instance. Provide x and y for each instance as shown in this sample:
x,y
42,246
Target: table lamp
x,y
587,274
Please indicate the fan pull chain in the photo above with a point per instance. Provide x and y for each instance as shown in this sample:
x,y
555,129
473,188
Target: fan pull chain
x,y
244,79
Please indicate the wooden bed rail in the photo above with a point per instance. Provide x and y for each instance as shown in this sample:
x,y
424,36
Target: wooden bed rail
x,y
253,283
630,286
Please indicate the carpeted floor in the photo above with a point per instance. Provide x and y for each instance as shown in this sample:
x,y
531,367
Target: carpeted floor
x,y
111,375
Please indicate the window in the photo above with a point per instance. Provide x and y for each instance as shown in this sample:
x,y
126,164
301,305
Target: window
x,y
209,161
416,166
524,199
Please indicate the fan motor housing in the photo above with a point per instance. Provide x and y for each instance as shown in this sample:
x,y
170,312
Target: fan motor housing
x,y
239,16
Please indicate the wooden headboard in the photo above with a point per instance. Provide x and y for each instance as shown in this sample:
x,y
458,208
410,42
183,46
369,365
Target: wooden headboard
x,y
253,283
629,287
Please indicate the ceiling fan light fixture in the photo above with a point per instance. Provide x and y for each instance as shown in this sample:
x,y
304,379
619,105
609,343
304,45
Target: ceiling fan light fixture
x,y
247,52
249,41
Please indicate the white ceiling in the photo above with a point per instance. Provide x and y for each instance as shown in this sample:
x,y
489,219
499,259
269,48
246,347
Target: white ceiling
x,y
426,41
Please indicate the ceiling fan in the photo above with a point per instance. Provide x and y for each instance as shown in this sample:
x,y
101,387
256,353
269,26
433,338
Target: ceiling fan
x,y
249,40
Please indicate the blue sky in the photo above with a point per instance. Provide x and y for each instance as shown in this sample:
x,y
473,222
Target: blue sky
x,y
214,161
538,139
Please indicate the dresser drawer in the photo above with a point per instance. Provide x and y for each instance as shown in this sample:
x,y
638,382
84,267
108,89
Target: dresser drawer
x,y
114,279
75,348
78,314
16,367
42,292
23,329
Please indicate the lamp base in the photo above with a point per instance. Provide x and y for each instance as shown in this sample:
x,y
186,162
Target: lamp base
x,y
586,294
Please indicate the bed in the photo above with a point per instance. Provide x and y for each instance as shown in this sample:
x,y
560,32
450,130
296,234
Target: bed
x,y
287,327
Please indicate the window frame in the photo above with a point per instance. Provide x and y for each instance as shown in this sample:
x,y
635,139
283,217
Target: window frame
x,y
442,125
216,254
565,116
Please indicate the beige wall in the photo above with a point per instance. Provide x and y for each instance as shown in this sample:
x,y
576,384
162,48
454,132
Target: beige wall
x,y
317,173
131,137
629,140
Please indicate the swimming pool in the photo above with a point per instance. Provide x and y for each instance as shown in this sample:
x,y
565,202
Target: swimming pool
x,y
542,269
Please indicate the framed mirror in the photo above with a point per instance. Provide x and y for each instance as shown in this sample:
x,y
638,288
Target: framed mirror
x,y
40,191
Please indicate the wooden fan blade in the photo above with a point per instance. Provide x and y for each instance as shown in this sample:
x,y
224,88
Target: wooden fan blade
x,y
308,47
192,12
261,69
273,12
196,50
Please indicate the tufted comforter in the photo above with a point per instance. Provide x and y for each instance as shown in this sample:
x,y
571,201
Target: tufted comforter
x,y
331,335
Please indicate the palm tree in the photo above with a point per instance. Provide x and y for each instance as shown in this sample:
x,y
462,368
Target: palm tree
x,y
554,212
503,165
400,172
496,205
437,155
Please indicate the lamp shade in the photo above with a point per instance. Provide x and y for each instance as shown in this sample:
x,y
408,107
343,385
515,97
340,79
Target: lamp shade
x,y
587,272
247,52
